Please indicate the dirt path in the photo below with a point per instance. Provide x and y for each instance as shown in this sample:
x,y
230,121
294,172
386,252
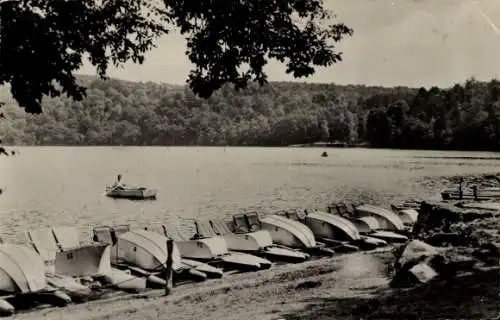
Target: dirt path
x,y
290,291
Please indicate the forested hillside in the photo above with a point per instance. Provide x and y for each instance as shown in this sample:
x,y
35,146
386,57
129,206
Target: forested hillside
x,y
118,112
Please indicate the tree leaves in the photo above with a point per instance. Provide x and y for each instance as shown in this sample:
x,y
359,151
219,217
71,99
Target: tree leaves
x,y
222,39
44,42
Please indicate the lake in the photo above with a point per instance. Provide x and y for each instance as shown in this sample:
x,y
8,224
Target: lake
x,y
47,186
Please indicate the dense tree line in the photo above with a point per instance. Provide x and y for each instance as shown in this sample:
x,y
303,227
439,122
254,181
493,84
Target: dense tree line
x,y
116,112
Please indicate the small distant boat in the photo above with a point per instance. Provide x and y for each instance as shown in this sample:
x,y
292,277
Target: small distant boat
x,y
239,237
324,154
126,192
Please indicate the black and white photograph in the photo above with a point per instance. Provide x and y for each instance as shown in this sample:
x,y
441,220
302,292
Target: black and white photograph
x,y
249,159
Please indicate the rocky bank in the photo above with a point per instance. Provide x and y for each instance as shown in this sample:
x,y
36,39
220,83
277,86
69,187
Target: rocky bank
x,y
448,270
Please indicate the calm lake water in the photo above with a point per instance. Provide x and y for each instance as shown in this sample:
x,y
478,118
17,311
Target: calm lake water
x,y
47,186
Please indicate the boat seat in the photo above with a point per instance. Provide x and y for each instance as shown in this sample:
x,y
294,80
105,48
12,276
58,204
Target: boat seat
x,y
219,227
204,229
43,241
66,237
121,229
253,221
292,214
240,224
344,209
104,234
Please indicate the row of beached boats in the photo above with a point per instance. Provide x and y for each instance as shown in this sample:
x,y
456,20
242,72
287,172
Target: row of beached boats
x,y
55,267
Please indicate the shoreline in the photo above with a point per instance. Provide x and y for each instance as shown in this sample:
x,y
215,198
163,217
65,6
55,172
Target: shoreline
x,y
293,146
323,288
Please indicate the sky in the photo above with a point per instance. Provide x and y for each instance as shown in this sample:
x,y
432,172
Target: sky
x,y
395,42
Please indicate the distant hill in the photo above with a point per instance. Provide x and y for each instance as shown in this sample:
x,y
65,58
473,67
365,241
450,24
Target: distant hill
x,y
118,112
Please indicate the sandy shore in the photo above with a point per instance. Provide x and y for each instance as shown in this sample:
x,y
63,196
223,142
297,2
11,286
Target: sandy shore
x,y
290,291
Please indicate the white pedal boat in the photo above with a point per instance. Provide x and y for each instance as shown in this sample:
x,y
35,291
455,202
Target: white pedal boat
x,y
239,237
23,282
144,253
206,246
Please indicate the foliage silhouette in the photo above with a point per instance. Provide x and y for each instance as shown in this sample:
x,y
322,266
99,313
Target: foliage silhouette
x,y
44,42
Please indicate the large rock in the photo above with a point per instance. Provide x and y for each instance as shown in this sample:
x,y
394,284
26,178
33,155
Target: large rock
x,y
419,262
411,264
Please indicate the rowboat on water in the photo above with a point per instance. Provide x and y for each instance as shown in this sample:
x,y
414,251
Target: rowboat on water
x,y
144,253
239,237
128,192
206,246
23,282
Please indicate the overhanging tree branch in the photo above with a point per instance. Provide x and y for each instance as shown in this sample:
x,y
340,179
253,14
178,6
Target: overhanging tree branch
x,y
44,42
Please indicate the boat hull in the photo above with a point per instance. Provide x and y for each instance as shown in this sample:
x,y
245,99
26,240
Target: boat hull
x,y
275,253
387,219
250,242
132,193
202,249
244,262
6,309
260,243
214,251
87,260
21,269
408,216
366,224
210,271
288,233
144,249
331,226
389,236
70,286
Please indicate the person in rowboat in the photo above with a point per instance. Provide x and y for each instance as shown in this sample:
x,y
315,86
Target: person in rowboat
x,y
118,184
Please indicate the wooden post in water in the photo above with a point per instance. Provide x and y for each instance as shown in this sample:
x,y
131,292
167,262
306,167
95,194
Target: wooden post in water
x,y
168,267
474,189
460,191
